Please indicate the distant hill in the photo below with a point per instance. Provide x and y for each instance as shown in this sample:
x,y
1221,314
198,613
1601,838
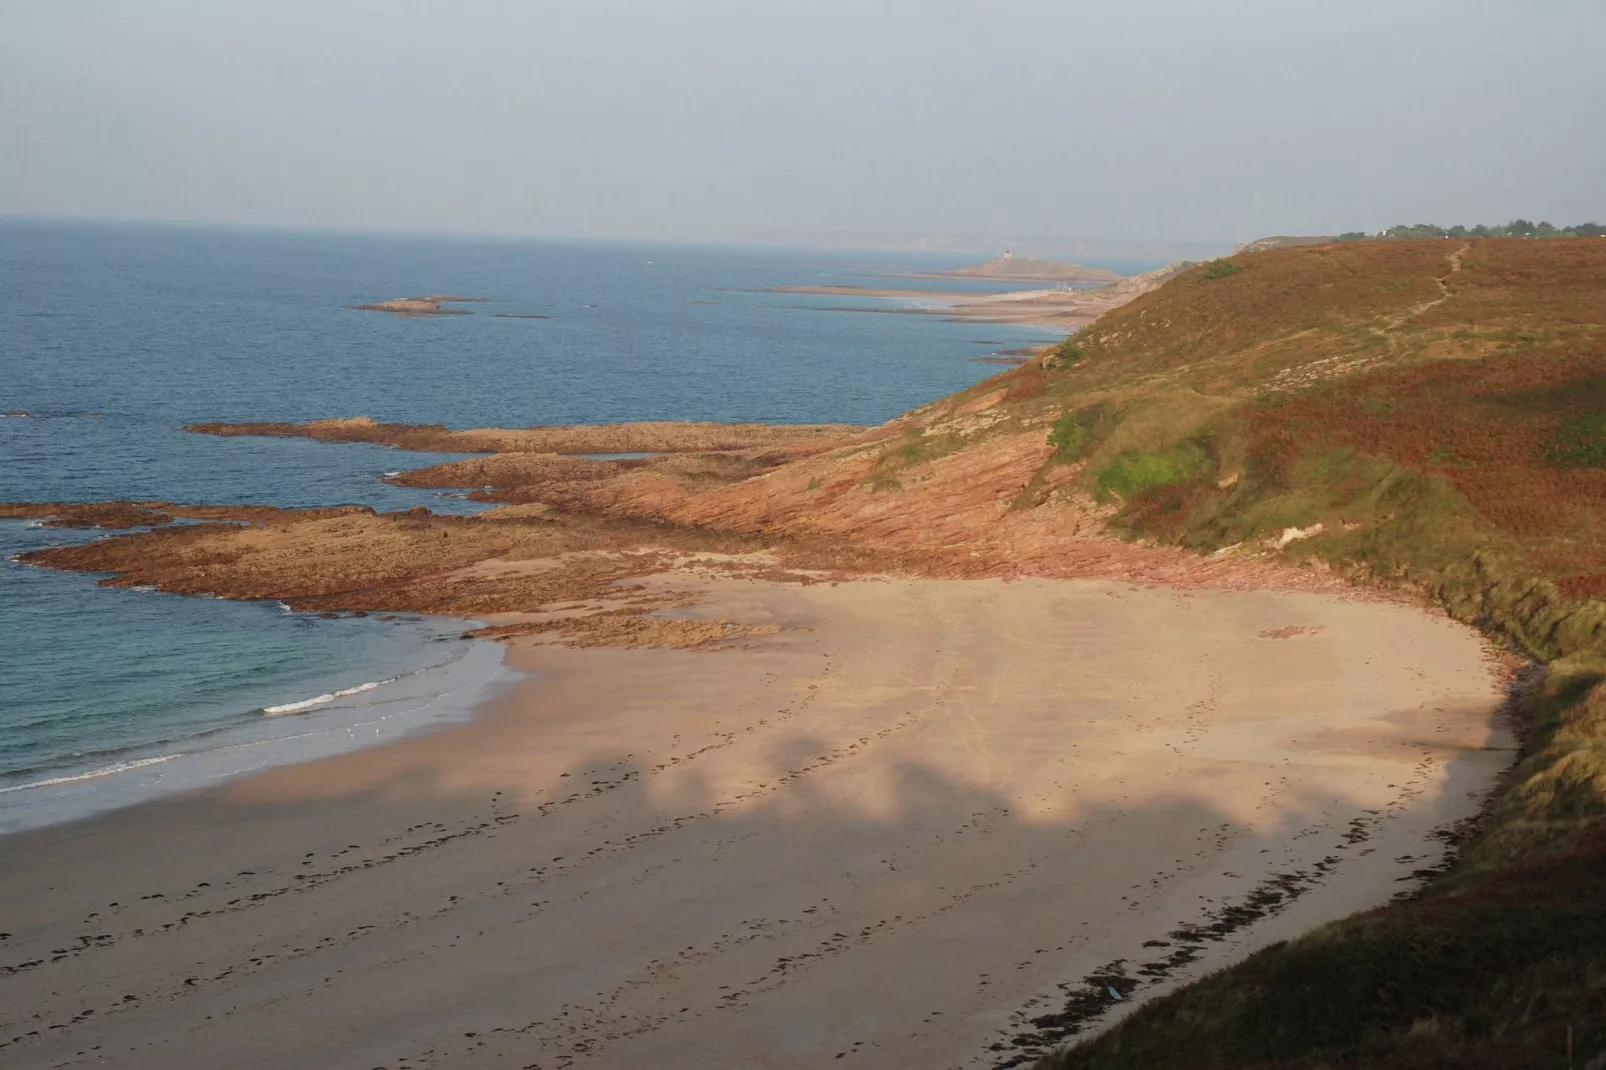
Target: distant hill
x,y
1030,268
1282,241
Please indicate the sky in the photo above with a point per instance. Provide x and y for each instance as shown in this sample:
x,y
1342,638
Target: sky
x,y
707,120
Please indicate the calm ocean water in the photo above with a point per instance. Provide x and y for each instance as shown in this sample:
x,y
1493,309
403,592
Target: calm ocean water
x,y
112,337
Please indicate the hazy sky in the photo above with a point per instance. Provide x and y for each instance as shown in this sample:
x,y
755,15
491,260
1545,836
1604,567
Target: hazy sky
x,y
708,120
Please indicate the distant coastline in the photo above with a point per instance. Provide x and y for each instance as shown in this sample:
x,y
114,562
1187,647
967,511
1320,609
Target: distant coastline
x,y
1063,309
1028,269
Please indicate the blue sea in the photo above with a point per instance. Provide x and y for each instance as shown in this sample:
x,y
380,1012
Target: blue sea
x,y
113,336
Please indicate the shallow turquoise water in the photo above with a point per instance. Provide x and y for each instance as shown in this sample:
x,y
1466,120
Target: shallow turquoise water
x,y
114,337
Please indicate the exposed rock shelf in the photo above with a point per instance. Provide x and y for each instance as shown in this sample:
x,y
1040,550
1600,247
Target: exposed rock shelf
x,y
644,437
420,307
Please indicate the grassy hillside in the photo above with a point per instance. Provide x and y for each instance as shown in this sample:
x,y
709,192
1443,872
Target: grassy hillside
x,y
1425,413
1428,414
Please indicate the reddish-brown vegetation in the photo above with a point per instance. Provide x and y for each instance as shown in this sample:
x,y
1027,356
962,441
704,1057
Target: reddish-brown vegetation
x,y
1482,424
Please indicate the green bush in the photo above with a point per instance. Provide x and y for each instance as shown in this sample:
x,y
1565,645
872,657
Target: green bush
x,y
1580,443
1220,269
1134,471
1069,436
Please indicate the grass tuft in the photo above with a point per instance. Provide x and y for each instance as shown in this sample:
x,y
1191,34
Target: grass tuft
x,y
1135,471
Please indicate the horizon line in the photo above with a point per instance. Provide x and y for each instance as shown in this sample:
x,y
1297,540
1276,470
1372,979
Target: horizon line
x,y
773,239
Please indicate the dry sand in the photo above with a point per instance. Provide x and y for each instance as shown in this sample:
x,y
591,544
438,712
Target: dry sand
x,y
889,835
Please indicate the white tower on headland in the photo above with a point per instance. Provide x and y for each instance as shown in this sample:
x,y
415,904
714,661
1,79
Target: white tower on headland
x,y
1008,256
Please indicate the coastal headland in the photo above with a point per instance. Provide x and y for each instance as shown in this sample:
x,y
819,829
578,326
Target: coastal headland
x,y
938,743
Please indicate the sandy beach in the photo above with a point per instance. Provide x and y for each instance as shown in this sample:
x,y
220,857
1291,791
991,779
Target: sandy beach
x,y
1064,309
915,818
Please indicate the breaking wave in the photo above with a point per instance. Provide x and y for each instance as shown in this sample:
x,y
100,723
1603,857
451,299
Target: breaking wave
x,y
327,697
109,770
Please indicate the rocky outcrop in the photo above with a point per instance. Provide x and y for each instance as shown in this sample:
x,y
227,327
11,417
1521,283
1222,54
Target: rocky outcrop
x,y
644,437
122,514
93,515
420,307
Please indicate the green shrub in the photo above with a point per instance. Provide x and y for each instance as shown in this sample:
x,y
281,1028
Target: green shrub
x,y
1580,443
1065,355
1220,269
1134,471
1069,436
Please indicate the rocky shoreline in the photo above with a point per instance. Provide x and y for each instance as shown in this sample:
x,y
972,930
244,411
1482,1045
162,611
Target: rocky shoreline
x,y
642,437
798,503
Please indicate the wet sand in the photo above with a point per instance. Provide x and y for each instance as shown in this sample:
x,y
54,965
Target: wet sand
x,y
920,815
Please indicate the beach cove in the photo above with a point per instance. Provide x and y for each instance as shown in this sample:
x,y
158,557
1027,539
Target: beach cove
x,y
833,738
891,824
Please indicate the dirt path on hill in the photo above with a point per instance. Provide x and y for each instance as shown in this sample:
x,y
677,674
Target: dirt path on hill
x,y
1445,293
1347,363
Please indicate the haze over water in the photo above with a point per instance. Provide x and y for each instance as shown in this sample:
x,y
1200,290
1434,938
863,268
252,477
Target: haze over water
x,y
116,336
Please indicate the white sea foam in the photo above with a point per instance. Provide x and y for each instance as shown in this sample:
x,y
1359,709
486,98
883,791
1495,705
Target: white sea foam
x,y
296,707
360,688
119,767
307,704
